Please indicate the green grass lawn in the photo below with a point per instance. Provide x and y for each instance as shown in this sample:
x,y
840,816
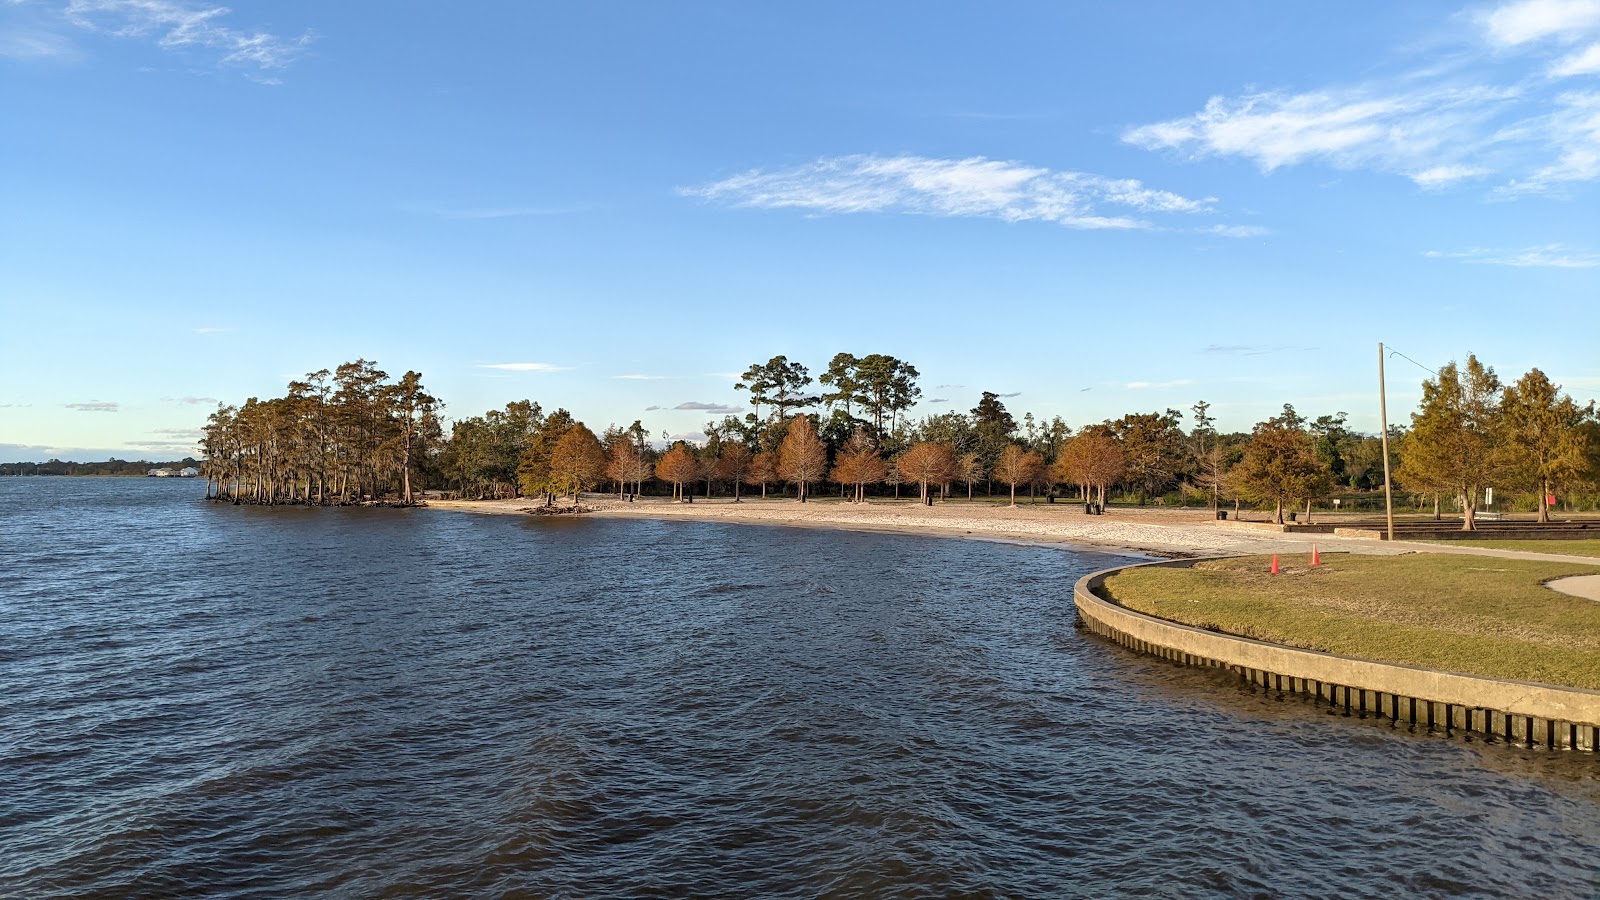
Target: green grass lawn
x,y
1476,615
1590,547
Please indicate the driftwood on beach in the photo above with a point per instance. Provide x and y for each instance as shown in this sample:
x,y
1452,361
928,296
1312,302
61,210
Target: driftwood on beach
x,y
556,510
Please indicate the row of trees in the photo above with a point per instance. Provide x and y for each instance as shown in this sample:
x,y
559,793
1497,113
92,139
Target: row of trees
x,y
355,434
335,437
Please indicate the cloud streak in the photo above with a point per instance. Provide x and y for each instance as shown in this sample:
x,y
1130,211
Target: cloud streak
x,y
172,25
1549,256
975,187
709,407
104,406
31,45
1443,126
1528,21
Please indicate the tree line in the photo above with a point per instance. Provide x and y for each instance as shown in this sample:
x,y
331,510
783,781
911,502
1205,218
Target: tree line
x,y
356,435
117,468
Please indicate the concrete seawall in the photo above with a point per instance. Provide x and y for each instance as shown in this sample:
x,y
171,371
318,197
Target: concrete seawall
x,y
1522,713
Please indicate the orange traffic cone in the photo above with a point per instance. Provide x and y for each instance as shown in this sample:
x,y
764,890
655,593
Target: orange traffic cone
x,y
1315,559
1274,563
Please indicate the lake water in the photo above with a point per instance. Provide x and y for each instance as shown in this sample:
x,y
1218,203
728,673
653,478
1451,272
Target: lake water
x,y
209,700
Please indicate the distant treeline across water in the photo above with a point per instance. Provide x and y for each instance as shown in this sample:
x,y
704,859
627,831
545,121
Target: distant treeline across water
x,y
117,467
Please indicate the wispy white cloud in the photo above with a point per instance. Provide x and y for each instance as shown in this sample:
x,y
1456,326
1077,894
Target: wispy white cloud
x,y
710,407
1238,231
34,45
1582,62
1528,21
211,329
173,24
971,187
937,400
195,401
525,367
1443,176
1412,132
1551,256
95,406
640,377
1156,385
653,408
1573,130
1442,125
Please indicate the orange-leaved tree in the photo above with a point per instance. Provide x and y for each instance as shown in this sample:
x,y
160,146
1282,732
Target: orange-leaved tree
x,y
677,467
763,470
1017,466
1093,459
626,466
802,457
734,465
577,462
927,463
859,464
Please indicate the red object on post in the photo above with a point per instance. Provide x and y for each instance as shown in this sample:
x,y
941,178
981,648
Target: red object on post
x,y
1274,563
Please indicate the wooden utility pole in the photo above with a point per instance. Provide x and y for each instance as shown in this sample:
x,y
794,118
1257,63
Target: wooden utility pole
x,y
1383,413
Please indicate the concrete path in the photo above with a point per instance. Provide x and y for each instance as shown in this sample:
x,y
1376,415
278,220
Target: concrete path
x,y
1585,586
1502,554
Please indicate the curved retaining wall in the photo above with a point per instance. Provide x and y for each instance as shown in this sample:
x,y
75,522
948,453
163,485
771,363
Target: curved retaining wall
x,y
1532,715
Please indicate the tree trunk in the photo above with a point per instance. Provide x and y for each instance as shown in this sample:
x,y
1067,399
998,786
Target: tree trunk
x,y
1279,515
1469,512
1308,510
1544,497
1436,506
1013,493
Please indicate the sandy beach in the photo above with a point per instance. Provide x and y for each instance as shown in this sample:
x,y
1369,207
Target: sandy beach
x,y
1155,531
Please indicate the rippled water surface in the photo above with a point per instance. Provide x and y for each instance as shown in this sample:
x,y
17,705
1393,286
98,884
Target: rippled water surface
x,y
201,700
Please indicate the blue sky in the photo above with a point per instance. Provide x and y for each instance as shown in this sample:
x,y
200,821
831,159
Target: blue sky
x,y
1096,208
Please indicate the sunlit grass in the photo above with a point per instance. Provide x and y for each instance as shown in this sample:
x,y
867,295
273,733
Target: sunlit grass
x,y
1466,614
1589,547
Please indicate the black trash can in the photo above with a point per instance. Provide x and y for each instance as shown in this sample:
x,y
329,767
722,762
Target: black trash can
x,y
1222,515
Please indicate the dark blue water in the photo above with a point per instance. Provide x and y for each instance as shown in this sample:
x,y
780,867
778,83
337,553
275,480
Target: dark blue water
x,y
202,700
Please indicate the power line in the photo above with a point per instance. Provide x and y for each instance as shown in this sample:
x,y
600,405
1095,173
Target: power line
x,y
1394,352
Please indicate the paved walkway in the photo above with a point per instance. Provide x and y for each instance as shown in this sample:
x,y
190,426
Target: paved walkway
x,y
1585,586
1502,554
